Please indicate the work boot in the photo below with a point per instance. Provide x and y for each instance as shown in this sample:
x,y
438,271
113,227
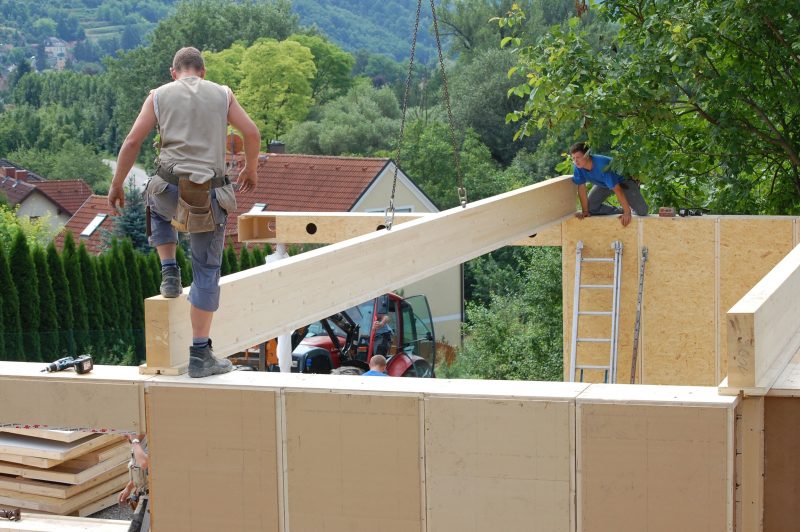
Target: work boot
x,y
203,363
171,281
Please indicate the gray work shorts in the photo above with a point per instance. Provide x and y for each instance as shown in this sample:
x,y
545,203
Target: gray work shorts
x,y
207,248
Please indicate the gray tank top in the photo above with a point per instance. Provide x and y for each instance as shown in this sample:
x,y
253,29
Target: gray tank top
x,y
192,116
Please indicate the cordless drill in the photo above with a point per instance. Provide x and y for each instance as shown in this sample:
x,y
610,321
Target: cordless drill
x,y
82,364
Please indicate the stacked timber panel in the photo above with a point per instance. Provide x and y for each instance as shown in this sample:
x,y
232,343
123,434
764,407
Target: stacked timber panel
x,y
655,458
61,472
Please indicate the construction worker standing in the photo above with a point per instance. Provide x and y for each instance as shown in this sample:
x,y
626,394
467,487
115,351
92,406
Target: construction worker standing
x,y
594,169
190,191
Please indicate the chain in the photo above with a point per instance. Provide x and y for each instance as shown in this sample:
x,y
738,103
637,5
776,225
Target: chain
x,y
462,192
389,214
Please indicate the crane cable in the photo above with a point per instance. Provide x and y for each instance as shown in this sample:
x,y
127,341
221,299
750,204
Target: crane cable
x,y
462,192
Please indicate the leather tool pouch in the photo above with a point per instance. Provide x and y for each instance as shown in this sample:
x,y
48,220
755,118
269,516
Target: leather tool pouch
x,y
194,213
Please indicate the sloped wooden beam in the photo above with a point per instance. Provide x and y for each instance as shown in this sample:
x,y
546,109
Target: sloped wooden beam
x,y
763,328
273,299
329,227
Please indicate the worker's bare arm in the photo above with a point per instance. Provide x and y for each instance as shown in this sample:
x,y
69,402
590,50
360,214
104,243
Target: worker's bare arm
x,y
241,121
625,217
583,196
142,127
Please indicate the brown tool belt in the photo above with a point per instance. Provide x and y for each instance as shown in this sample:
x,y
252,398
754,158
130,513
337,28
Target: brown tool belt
x,y
172,179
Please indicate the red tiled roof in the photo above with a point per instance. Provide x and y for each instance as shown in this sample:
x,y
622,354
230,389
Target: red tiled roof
x,y
96,242
15,190
289,182
69,194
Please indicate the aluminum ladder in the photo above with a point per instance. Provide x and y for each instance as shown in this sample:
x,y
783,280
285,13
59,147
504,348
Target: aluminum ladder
x,y
611,368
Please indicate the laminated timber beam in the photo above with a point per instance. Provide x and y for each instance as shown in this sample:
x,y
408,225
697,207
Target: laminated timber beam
x,y
274,299
329,227
763,330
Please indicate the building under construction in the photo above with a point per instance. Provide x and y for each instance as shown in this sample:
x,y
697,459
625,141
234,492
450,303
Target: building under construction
x,y
704,441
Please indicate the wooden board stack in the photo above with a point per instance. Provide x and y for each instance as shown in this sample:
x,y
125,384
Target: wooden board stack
x,y
61,472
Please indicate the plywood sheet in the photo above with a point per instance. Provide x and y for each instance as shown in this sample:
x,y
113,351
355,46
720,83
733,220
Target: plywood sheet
x,y
494,464
344,450
214,459
76,471
654,467
749,247
63,506
57,435
679,344
59,491
598,234
51,523
47,453
782,474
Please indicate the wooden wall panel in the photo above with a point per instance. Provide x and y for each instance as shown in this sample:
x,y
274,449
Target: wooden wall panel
x,y
66,400
679,344
354,462
749,247
494,464
655,467
214,459
782,474
597,235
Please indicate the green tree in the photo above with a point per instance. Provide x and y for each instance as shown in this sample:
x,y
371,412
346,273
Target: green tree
x,y
518,334
144,267
49,333
80,311
362,122
111,320
12,345
95,304
137,298
696,98
122,292
224,67
230,257
277,93
245,259
333,67
62,298
71,160
184,264
37,232
258,255
23,274
132,221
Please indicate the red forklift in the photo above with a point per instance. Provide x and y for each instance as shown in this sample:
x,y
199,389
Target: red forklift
x,y
347,339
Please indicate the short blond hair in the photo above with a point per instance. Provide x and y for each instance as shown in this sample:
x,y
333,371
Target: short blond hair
x,y
377,361
188,58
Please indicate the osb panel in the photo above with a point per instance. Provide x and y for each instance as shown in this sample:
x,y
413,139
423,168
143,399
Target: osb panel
x,y
782,475
598,234
353,462
213,459
498,464
748,249
679,344
653,468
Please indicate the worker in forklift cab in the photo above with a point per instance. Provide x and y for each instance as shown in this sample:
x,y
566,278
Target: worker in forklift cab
x,y
594,169
383,332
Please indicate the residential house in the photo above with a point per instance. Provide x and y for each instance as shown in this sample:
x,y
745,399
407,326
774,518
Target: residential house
x,y
37,197
90,224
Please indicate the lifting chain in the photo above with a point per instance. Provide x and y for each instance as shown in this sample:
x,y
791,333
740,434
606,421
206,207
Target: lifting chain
x,y
462,192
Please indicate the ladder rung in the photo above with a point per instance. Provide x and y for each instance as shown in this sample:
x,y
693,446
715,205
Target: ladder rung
x,y
594,313
596,340
606,368
597,286
599,259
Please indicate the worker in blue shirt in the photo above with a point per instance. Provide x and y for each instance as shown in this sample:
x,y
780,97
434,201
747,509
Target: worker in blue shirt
x,y
594,169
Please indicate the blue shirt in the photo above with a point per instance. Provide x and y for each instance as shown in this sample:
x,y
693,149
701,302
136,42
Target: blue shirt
x,y
373,373
598,175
